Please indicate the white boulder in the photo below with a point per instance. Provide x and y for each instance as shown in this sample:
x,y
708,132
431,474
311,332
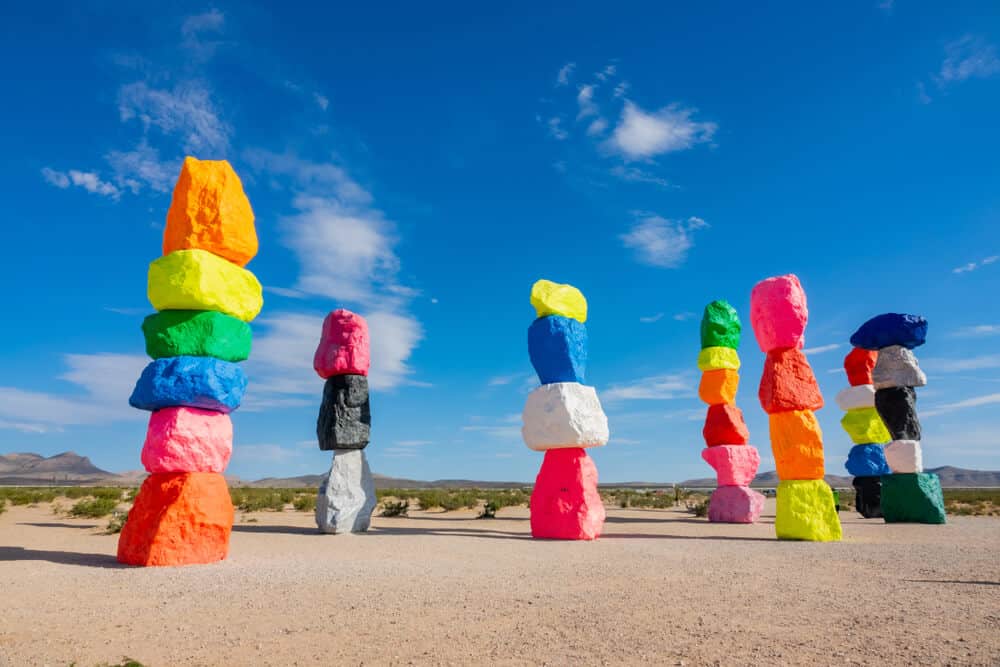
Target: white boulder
x,y
862,396
564,414
904,456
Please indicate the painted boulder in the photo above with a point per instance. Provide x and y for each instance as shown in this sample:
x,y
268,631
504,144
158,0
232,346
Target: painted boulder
x,y
904,456
724,425
797,444
344,347
187,440
719,386
557,347
720,326
912,498
864,425
779,313
194,382
565,503
564,414
199,280
859,364
806,511
735,465
551,298
788,383
867,461
196,333
897,367
890,329
345,416
897,406
716,358
858,396
735,504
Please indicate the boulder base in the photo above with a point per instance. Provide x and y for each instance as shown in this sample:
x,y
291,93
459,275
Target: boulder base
x,y
912,498
868,496
346,497
714,358
195,382
897,406
551,298
864,426
897,367
564,414
904,456
178,519
565,503
788,383
778,313
720,326
735,465
859,364
719,386
187,440
196,333
735,504
344,347
797,444
867,461
724,425
557,347
345,417
888,329
199,280
806,511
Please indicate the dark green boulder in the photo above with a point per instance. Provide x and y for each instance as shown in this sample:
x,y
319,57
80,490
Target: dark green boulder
x,y
196,333
913,497
720,326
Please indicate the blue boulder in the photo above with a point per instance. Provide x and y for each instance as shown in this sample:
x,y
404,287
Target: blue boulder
x,y
194,382
557,346
887,329
867,461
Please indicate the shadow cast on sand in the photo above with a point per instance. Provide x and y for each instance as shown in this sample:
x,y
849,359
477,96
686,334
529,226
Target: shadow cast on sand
x,y
708,538
106,561
278,530
56,524
953,581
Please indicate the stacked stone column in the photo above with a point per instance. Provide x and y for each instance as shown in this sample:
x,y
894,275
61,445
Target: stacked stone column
x,y
346,497
866,460
789,394
562,417
183,513
728,450
909,495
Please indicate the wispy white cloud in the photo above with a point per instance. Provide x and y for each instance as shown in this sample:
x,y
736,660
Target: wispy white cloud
x,y
608,72
982,362
585,102
565,72
321,101
685,316
649,319
655,387
186,110
596,127
976,402
972,266
636,175
556,129
922,95
822,348
87,180
640,134
977,330
969,57
660,242
886,5
195,32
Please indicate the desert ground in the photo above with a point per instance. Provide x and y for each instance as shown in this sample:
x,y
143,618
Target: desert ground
x,y
660,587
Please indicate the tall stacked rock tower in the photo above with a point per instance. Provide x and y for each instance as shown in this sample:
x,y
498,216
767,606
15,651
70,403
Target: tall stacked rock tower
x,y
562,417
866,460
726,435
183,513
346,497
908,494
789,394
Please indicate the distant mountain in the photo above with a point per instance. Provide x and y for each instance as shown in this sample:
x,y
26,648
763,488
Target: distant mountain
x,y
65,468
951,477
383,482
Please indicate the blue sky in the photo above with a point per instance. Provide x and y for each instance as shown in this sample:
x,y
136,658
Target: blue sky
x,y
423,165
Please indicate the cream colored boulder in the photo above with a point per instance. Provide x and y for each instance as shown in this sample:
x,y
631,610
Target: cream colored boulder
x,y
564,414
904,456
861,396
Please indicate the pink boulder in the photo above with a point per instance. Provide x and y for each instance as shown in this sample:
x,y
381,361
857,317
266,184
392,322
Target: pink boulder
x,y
735,504
735,465
778,313
187,440
343,347
565,504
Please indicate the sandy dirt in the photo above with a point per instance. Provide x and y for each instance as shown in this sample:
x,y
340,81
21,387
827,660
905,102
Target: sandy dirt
x,y
661,587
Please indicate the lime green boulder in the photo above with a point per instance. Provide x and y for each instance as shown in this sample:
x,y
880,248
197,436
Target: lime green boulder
x,y
913,497
718,358
720,326
806,511
196,333
198,280
865,426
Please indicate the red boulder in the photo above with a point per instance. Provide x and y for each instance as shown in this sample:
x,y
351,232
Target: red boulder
x,y
788,383
724,425
859,364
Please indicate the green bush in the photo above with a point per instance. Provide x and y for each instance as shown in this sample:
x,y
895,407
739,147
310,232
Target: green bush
x,y
489,510
3,505
257,500
305,503
697,505
94,508
116,523
395,508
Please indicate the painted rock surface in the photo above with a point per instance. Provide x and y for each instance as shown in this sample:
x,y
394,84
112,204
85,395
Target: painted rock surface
x,y
797,445
904,456
720,326
889,329
868,496
867,461
345,416
864,426
196,333
735,504
778,313
735,465
551,298
187,440
178,519
346,497
858,396
897,367
897,406
724,425
199,280
912,498
859,364
344,347
565,503
210,211
719,386
788,383
564,414
806,511
557,347
194,382
716,358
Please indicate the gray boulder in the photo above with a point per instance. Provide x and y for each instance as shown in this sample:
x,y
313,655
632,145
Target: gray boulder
x,y
345,416
346,495
897,367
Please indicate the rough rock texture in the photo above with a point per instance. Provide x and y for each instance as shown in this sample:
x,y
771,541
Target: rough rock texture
x,y
788,383
897,406
345,417
806,511
196,333
199,280
857,396
187,440
347,494
864,426
716,358
868,496
867,461
859,364
211,212
194,382
897,367
719,386
735,465
344,347
565,503
797,444
735,504
890,329
778,313
564,414
904,456
551,298
724,425
178,519
720,326
912,498
557,347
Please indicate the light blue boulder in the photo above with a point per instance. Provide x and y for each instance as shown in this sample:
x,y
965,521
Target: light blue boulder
x,y
194,382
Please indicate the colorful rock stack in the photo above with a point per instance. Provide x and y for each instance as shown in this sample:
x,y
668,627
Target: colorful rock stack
x,y
789,394
346,497
728,452
183,513
866,460
909,495
562,417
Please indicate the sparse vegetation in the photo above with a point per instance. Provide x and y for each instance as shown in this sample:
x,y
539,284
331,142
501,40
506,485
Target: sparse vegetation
x,y
697,505
94,508
645,499
116,523
489,511
395,508
3,505
305,502
972,502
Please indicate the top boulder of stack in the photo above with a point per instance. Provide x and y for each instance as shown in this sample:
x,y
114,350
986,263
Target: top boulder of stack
x,y
778,313
344,347
551,298
720,326
209,211
889,329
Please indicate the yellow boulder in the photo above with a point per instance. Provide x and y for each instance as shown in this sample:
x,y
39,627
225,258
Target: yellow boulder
x,y
806,511
551,298
210,211
865,426
199,280
714,358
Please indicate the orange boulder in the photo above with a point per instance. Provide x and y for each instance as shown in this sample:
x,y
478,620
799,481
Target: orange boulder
x,y
788,383
719,386
210,211
797,445
724,425
859,365
178,519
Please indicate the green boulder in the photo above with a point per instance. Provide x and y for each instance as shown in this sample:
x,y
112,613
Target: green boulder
x,y
912,497
196,333
720,326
